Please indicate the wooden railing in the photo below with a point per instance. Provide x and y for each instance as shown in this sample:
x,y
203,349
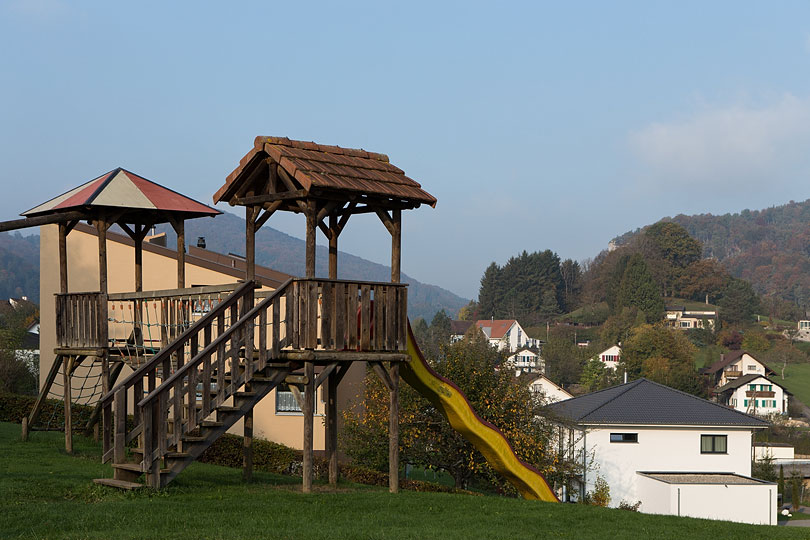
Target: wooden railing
x,y
207,380
348,315
160,366
81,320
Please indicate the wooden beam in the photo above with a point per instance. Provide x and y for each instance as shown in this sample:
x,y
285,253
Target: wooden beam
x,y
383,375
269,211
46,388
393,431
286,178
386,220
66,369
36,221
325,373
250,242
101,228
272,197
396,246
334,233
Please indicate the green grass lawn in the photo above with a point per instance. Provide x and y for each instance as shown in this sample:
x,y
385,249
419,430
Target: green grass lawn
x,y
797,380
46,493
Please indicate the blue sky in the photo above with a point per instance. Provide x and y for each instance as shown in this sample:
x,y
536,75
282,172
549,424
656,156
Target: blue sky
x,y
536,125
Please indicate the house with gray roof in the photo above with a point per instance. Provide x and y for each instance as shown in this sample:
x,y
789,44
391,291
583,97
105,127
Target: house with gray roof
x,y
673,452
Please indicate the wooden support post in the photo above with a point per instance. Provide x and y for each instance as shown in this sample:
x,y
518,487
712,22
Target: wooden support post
x,y
331,427
250,274
180,229
393,430
46,388
308,410
312,216
247,450
333,245
66,369
138,259
63,270
396,246
101,228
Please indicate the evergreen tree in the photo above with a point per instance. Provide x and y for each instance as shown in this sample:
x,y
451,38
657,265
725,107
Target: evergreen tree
x,y
638,289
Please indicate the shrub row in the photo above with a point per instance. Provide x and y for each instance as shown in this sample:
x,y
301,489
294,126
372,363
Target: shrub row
x,y
14,407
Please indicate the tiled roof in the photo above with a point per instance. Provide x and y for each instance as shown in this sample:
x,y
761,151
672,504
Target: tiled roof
x,y
459,328
331,167
646,402
120,188
497,328
728,359
745,379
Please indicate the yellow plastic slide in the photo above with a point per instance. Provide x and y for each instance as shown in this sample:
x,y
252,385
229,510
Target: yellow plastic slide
x,y
488,439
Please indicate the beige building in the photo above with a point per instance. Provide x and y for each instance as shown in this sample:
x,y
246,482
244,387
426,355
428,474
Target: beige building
x,y
277,417
686,319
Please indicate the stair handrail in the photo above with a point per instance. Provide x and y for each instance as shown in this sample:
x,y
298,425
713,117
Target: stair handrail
x,y
207,350
179,341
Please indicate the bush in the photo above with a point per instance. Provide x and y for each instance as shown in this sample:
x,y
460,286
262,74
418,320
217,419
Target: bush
x,y
600,496
632,507
14,407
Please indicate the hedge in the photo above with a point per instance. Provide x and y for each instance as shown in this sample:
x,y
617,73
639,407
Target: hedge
x,y
14,407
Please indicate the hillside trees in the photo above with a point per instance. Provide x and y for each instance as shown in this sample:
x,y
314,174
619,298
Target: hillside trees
x,y
638,289
739,301
529,287
664,355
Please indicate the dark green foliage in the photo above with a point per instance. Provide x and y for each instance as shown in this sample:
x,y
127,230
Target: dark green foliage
x,y
739,301
267,456
13,408
638,289
764,469
529,288
781,483
674,244
796,491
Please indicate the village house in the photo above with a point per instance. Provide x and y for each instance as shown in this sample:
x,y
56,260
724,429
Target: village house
x,y
673,452
754,394
503,334
686,319
734,365
611,357
526,360
550,391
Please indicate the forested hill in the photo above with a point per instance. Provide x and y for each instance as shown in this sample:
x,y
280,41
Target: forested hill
x,y
19,266
769,248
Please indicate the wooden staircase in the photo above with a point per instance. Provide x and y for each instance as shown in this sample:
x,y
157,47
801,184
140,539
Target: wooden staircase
x,y
200,399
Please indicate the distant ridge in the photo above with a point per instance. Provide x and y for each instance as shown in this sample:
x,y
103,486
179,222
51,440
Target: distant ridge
x,y
769,248
285,253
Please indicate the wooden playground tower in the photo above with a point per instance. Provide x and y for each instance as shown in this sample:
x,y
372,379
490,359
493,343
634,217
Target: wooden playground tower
x,y
218,357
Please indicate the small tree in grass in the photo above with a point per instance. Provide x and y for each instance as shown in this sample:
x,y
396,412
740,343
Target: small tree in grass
x,y
796,491
781,484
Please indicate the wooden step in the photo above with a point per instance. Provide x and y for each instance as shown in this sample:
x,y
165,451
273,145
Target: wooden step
x,y
245,394
193,438
211,424
227,409
134,467
177,455
120,484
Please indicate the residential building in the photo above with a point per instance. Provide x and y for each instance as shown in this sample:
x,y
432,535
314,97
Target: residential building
x,y
458,329
526,360
734,365
671,451
506,334
686,319
550,391
611,357
754,394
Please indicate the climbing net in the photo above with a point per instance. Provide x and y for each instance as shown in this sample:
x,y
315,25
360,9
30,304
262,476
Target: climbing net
x,y
86,390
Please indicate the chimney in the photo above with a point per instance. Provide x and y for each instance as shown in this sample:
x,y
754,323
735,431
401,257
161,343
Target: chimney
x,y
201,242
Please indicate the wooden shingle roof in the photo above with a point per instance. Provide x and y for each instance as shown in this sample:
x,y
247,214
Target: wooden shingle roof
x,y
326,170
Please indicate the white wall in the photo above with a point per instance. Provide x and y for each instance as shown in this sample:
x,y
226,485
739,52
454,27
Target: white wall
x,y
745,503
779,397
670,449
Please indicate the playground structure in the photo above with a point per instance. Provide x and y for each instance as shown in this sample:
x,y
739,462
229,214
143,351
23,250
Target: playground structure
x,y
219,350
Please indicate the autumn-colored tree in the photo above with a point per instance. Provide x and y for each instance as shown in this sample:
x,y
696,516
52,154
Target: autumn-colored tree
x,y
426,438
664,355
755,341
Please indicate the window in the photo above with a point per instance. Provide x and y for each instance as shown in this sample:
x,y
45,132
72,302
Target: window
x,y
686,324
752,367
286,402
713,444
624,437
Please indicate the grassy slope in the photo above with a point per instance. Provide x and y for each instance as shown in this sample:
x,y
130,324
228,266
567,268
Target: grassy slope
x,y
48,494
797,380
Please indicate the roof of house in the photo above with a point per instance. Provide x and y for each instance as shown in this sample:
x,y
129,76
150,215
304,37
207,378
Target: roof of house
x,y
745,379
459,328
532,378
224,264
729,358
495,329
327,167
123,189
646,402
523,350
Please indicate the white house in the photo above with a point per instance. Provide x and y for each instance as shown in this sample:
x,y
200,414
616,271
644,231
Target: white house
x,y
506,334
675,453
611,357
526,361
734,365
551,391
754,394
686,319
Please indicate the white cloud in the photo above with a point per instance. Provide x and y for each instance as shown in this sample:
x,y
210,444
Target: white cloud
x,y
734,145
